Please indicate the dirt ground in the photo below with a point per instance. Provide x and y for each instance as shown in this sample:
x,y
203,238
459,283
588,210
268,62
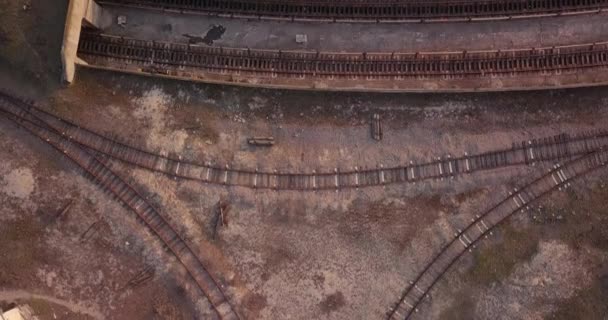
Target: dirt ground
x,y
286,255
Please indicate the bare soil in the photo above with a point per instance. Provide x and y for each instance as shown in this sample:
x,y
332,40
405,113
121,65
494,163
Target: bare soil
x,y
286,255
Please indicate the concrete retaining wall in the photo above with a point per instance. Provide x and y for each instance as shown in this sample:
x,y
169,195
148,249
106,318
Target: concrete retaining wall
x,y
79,12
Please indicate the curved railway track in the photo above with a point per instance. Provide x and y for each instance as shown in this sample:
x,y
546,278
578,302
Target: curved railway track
x,y
527,152
175,58
590,150
465,239
373,11
110,182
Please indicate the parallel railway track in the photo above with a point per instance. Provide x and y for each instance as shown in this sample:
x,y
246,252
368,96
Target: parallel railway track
x,y
560,147
466,238
373,11
202,62
110,182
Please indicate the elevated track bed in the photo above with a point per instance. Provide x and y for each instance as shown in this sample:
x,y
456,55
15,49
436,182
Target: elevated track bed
x,y
517,69
373,11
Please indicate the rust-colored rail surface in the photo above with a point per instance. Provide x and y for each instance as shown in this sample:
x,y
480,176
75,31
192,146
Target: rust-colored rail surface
x,y
392,71
466,238
556,148
587,152
109,181
373,11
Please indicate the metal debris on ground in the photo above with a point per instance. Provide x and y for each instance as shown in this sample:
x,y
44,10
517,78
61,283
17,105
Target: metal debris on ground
x,y
376,127
91,231
261,141
64,211
220,218
122,21
142,277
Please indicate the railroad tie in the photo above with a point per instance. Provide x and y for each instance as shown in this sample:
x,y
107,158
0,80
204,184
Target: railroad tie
x,y
463,243
562,174
554,180
515,199
482,230
226,174
464,235
255,178
337,181
460,236
450,167
177,167
412,170
523,202
409,305
531,150
440,167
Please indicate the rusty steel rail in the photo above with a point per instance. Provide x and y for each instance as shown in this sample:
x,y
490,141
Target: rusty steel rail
x,y
373,11
175,58
112,183
554,148
478,228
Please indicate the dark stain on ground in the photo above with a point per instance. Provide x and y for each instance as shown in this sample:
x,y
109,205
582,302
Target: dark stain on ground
x,y
463,307
604,283
166,27
3,37
276,258
213,34
255,303
318,280
332,302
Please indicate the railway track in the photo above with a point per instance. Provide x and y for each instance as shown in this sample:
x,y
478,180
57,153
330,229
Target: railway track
x,y
209,63
373,11
466,238
556,148
110,182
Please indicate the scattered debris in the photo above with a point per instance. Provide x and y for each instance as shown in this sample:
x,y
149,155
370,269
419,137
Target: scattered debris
x,y
91,231
301,38
238,118
193,128
221,216
64,211
543,215
261,141
376,127
122,21
27,6
140,278
155,69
